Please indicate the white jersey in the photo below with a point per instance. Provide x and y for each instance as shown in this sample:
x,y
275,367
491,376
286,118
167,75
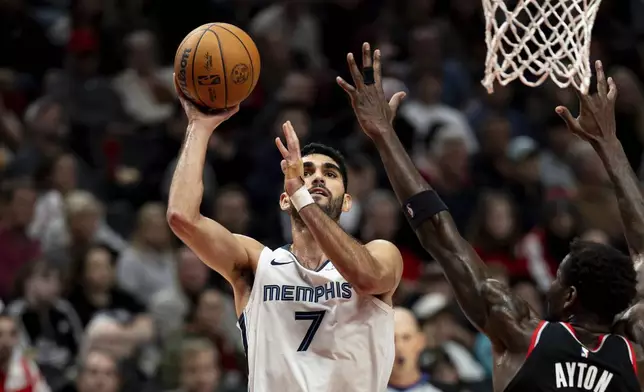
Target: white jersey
x,y
309,331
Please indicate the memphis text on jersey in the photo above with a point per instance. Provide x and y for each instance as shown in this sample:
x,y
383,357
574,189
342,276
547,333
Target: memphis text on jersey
x,y
315,294
581,376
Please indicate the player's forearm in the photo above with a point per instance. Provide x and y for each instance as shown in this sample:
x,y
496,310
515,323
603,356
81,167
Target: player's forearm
x,y
407,182
628,192
186,189
438,235
352,259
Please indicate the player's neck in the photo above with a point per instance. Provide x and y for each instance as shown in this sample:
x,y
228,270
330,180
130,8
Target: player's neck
x,y
589,324
305,248
404,378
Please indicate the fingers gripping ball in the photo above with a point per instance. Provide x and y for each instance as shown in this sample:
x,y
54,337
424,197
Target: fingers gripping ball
x,y
217,66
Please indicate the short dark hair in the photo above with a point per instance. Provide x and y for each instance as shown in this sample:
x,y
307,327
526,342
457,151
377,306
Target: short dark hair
x,y
604,277
322,149
10,187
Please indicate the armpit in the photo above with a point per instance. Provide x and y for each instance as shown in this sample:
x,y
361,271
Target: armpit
x,y
499,295
509,321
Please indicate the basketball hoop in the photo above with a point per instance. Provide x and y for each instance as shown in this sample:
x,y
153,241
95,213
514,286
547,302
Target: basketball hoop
x,y
537,39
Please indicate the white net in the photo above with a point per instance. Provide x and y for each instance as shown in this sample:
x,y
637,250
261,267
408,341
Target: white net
x,y
532,40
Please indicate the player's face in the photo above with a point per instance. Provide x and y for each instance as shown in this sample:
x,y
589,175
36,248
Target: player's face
x,y
323,179
560,296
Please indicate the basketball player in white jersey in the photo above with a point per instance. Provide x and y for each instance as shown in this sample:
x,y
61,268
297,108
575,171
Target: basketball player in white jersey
x,y
315,315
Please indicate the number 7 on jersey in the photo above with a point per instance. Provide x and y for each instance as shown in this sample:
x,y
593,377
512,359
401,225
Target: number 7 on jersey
x,y
316,320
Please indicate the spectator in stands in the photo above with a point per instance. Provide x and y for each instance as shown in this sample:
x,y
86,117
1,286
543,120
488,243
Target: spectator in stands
x,y
232,210
48,323
294,22
199,369
491,166
444,333
145,88
82,226
170,306
46,129
595,199
525,181
93,288
494,232
447,165
16,247
148,264
554,162
545,246
381,217
17,371
98,372
410,342
208,321
424,111
57,179
498,105
363,175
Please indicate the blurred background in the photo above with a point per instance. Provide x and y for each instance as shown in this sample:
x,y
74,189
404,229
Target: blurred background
x,y
100,297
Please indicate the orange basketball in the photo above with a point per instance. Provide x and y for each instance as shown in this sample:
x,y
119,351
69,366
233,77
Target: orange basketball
x,y
217,65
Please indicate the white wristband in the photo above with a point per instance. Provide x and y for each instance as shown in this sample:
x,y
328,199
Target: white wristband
x,y
301,198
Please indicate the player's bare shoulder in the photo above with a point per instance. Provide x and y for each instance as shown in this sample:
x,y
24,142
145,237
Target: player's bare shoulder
x,y
630,325
385,250
389,255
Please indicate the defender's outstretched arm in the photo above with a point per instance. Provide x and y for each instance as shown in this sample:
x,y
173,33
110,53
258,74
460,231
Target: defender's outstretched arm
x,y
488,304
596,124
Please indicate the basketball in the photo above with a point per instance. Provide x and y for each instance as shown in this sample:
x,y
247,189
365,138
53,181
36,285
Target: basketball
x,y
217,66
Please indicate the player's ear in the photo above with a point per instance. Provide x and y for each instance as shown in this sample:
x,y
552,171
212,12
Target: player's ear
x,y
347,202
285,202
571,297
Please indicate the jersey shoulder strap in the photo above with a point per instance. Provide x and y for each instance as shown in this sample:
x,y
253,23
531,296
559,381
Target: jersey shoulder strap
x,y
536,336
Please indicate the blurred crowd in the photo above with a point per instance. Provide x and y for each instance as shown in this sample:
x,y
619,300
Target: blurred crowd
x,y
98,294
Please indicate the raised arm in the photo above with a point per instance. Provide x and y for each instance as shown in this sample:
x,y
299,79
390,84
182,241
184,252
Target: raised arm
x,y
596,124
228,254
374,268
488,304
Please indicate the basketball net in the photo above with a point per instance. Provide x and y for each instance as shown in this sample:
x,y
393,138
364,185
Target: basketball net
x,y
537,39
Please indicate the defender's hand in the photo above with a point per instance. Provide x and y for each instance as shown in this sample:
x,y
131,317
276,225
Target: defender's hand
x,y
596,121
373,111
198,118
292,165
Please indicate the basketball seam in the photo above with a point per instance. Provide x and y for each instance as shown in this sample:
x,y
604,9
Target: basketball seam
x,y
250,59
223,67
194,78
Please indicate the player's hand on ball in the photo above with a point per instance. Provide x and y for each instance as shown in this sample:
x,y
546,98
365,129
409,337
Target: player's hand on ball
x,y
292,165
197,117
373,111
596,120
